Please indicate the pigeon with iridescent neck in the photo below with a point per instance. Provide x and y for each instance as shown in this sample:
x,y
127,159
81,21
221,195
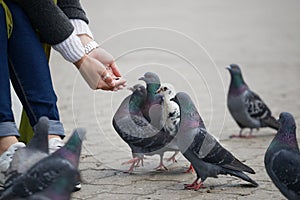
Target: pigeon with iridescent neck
x,y
131,125
48,170
205,153
35,150
152,108
245,106
282,159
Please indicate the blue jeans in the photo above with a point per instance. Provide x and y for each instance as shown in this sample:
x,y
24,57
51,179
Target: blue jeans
x,y
23,61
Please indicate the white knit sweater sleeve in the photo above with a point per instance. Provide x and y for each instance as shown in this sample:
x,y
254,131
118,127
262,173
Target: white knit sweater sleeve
x,y
71,48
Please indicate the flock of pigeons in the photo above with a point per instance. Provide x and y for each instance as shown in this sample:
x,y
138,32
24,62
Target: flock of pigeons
x,y
155,119
35,175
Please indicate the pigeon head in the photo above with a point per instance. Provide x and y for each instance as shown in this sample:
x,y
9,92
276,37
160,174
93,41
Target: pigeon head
x,y
153,82
189,116
150,78
237,81
167,90
287,130
234,69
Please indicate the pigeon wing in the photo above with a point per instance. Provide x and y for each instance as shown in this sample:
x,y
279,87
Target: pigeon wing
x,y
286,176
256,107
211,151
137,132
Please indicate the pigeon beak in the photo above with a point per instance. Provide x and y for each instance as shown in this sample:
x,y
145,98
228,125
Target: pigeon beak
x,y
228,67
131,89
142,78
158,91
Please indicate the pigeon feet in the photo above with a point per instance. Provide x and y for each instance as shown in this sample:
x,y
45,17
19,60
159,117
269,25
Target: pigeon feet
x,y
242,136
190,170
161,167
172,158
135,162
194,186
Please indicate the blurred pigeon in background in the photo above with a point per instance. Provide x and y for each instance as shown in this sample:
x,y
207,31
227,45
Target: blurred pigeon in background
x,y
61,189
48,170
131,125
246,107
204,152
36,150
282,158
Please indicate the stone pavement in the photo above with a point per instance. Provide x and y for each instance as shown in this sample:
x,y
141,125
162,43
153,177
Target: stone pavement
x,y
188,43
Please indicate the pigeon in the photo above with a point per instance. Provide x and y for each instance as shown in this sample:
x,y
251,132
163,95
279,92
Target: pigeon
x,y
282,158
171,112
152,109
170,120
36,150
205,153
245,106
48,170
131,125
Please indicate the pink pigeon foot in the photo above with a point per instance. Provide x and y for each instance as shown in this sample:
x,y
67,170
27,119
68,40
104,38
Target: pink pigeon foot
x,y
194,186
190,170
134,163
172,158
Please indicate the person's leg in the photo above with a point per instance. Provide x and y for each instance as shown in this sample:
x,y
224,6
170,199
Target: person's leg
x,y
30,74
8,129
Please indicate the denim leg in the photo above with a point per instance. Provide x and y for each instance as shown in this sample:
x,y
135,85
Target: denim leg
x,y
30,74
7,124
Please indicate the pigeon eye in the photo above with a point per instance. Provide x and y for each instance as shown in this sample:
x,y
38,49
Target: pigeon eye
x,y
165,88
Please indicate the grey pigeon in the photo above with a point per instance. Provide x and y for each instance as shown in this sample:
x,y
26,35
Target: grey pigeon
x,y
152,109
48,170
245,106
36,150
282,159
205,153
131,125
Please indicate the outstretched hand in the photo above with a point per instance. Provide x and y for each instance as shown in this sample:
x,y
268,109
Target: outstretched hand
x,y
99,69
98,76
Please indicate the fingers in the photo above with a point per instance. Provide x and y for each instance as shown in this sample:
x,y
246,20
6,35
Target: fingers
x,y
113,85
115,69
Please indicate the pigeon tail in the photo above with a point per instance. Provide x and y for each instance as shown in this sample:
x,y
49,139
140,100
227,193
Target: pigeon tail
x,y
271,122
241,175
239,166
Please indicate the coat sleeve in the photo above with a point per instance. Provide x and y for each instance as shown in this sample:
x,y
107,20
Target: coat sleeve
x,y
73,9
51,21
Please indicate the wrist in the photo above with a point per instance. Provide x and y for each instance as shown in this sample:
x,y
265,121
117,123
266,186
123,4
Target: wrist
x,y
79,62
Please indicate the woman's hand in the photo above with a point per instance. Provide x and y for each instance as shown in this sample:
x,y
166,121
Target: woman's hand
x,y
97,75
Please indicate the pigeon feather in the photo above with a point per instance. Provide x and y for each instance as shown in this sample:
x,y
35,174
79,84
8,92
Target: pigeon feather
x,y
282,158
